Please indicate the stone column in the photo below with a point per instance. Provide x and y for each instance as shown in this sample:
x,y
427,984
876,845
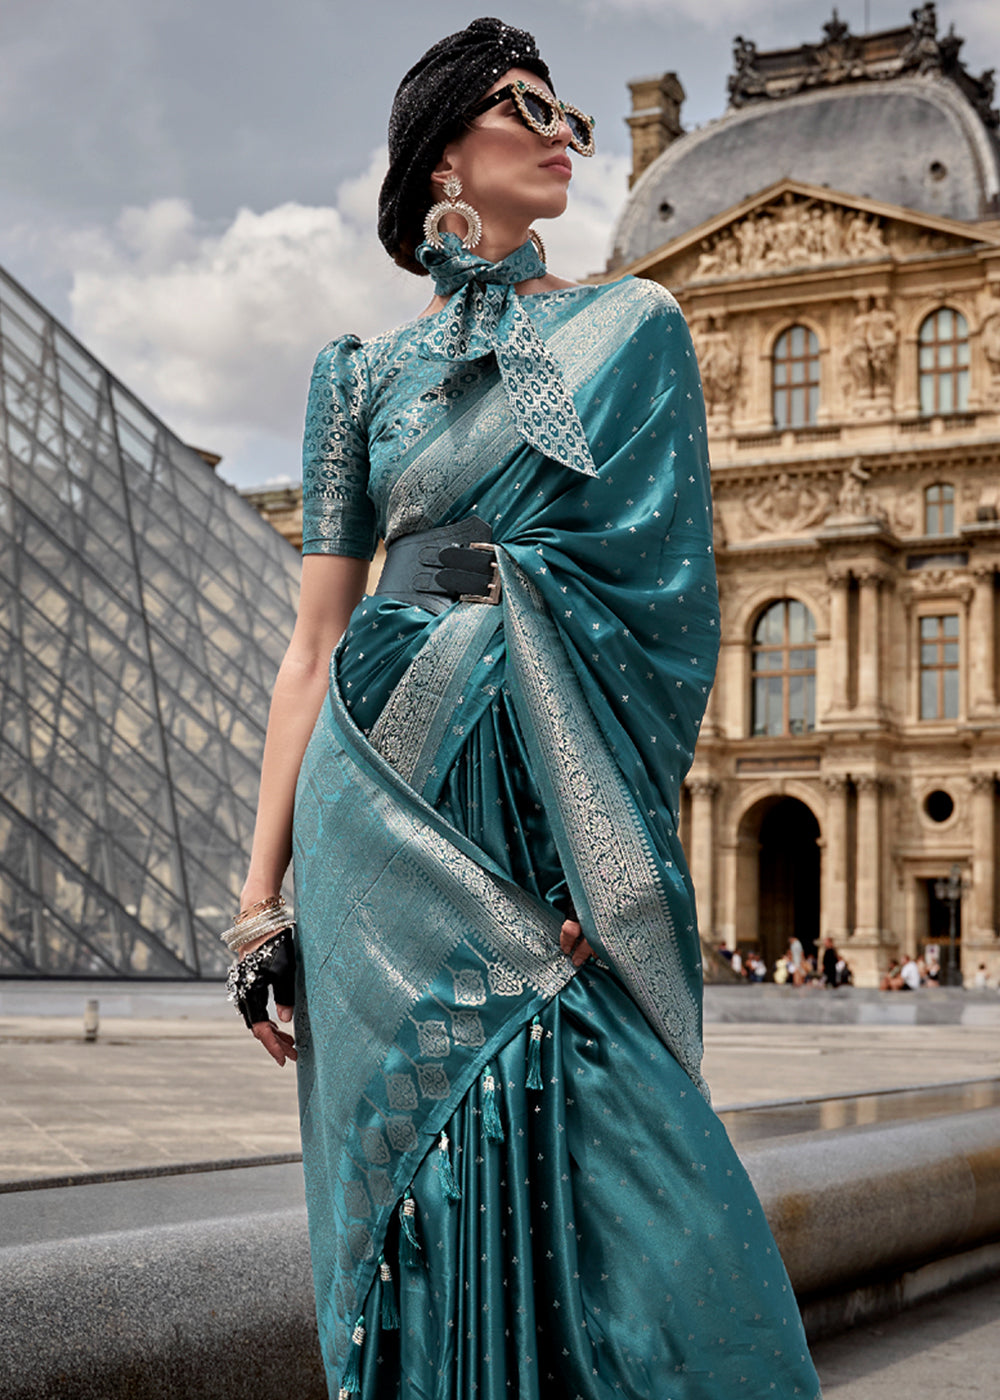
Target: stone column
x,y
835,866
979,648
869,645
702,856
839,662
868,895
728,876
982,921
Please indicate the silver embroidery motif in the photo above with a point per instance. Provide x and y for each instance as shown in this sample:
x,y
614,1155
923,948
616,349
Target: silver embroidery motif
x,y
610,846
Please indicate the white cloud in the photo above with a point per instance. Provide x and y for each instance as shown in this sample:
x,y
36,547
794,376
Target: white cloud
x,y
217,329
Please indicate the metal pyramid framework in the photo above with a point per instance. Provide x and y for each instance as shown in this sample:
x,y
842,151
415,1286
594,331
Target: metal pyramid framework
x,y
144,608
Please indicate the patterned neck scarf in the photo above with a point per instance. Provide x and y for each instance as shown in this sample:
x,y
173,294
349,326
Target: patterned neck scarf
x,y
485,316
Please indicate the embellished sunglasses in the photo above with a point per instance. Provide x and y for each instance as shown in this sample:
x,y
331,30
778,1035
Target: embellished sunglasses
x,y
543,113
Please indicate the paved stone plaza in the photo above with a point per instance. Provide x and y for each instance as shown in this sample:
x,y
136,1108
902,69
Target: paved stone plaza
x,y
154,1092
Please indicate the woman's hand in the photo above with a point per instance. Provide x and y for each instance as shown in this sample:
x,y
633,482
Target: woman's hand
x,y
278,1043
573,943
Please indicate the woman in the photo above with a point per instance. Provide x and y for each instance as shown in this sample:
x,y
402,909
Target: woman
x,y
515,1184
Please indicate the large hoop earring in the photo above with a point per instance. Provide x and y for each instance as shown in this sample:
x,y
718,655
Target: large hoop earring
x,y
451,204
536,238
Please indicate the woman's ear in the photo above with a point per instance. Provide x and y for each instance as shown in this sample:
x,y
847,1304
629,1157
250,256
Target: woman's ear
x,y
444,168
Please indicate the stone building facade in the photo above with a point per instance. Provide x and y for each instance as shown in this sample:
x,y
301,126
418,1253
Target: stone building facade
x,y
846,311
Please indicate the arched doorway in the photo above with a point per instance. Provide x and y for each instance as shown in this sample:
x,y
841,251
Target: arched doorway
x,y
779,883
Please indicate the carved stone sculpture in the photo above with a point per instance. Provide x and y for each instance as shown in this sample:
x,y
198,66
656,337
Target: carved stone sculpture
x,y
784,506
793,233
719,362
854,501
870,358
989,339
745,83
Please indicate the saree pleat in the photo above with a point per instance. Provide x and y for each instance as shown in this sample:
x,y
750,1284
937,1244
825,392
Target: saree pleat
x,y
611,1246
475,779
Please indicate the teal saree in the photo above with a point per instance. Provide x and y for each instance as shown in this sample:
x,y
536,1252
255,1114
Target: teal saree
x,y
515,1182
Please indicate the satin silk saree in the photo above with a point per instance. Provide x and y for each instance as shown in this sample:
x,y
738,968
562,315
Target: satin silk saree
x,y
474,778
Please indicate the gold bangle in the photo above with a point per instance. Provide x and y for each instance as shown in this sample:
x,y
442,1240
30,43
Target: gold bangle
x,y
273,901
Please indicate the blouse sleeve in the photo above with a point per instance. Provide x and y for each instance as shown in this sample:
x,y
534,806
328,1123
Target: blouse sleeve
x,y
338,516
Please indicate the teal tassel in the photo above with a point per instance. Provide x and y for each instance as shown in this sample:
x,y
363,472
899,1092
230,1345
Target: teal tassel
x,y
534,1076
409,1245
492,1126
446,1176
389,1311
351,1384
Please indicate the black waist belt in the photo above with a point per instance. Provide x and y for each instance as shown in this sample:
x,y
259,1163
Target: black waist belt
x,y
435,568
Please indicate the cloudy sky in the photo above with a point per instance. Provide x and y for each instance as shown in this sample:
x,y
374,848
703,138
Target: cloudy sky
x,y
191,186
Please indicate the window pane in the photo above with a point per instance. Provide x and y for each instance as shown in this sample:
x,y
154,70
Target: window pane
x,y
798,408
962,390
775,718
780,373
948,519
928,695
796,705
813,412
950,695
945,356
758,707
944,323
927,394
949,624
946,401
798,340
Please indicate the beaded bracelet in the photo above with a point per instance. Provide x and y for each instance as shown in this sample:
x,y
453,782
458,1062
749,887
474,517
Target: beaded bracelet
x,y
268,921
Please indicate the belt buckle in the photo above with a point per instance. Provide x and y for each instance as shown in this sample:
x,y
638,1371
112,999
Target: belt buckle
x,y
494,589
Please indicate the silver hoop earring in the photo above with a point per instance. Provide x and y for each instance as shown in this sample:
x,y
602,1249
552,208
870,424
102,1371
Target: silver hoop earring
x,y
536,238
451,204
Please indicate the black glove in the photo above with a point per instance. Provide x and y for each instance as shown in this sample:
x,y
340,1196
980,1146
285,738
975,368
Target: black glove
x,y
271,966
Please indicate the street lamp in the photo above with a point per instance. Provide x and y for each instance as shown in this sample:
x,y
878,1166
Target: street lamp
x,y
950,892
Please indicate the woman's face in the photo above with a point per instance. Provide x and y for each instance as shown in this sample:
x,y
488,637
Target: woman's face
x,y
509,173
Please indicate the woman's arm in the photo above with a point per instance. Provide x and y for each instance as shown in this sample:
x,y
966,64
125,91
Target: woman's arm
x,y
331,588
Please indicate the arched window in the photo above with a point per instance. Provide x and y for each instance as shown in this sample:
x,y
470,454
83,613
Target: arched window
x,y
944,362
939,509
783,670
795,378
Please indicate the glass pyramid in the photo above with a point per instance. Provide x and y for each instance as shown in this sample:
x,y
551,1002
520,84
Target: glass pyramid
x,y
144,608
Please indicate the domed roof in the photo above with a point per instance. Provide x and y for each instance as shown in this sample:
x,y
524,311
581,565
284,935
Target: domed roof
x,y
914,141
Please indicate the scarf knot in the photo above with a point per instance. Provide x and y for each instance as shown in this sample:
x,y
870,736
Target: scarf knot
x,y
485,316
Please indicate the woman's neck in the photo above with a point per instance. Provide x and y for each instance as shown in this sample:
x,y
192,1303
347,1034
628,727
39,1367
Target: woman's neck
x,y
496,244
497,241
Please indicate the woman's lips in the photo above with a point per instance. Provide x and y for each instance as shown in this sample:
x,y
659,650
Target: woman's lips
x,y
559,164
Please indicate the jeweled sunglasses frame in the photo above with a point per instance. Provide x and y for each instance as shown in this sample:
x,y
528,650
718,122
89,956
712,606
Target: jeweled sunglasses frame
x,y
581,127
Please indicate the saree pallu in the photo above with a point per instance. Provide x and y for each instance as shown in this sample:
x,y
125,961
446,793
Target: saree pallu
x,y
475,778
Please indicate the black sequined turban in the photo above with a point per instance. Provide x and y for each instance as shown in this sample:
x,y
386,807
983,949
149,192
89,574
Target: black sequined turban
x,y
430,105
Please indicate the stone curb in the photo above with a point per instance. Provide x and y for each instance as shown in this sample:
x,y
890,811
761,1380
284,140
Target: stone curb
x,y
868,1220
